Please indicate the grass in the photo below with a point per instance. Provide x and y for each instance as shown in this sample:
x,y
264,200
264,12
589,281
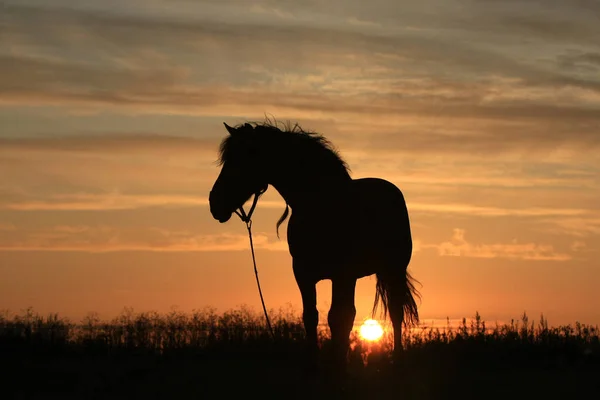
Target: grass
x,y
202,354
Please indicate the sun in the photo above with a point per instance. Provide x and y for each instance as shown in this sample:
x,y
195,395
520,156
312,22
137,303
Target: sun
x,y
371,330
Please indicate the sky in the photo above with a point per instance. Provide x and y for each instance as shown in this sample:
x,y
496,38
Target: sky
x,y
485,113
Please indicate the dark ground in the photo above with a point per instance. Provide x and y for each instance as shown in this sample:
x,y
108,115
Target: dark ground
x,y
183,376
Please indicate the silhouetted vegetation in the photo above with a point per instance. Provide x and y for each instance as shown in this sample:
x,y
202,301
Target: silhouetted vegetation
x,y
148,352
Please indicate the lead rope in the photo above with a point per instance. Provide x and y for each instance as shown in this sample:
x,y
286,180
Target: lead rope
x,y
246,218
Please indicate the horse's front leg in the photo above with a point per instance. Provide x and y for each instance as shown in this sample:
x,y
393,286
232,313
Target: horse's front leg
x,y
310,315
341,318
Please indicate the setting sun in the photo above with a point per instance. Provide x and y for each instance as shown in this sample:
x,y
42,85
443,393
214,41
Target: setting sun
x,y
371,330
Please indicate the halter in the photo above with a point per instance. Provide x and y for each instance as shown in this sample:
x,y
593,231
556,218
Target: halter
x,y
242,213
247,219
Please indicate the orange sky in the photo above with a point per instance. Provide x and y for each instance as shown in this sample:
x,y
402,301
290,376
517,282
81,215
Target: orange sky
x,y
485,114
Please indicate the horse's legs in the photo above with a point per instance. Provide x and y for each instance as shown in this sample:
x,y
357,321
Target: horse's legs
x,y
341,317
310,315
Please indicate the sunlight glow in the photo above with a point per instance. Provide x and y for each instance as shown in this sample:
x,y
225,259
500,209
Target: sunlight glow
x,y
371,330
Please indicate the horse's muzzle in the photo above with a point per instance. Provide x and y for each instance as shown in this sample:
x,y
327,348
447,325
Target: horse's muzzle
x,y
223,219
217,210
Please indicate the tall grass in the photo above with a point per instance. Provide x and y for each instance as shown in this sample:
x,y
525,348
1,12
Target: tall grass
x,y
148,331
242,330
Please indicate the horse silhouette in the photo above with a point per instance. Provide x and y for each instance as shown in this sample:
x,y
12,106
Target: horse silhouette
x,y
340,228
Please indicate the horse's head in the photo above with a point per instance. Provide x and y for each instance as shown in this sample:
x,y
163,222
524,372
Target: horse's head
x,y
242,173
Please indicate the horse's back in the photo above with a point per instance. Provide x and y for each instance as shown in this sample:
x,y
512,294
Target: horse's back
x,y
362,222
380,193
381,208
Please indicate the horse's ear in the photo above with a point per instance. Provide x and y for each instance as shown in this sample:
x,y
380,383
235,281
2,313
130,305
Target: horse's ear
x,y
232,131
248,127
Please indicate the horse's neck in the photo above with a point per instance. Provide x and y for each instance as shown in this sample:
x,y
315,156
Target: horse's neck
x,y
305,190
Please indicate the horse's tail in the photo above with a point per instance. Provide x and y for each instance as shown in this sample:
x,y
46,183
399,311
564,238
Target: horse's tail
x,y
401,285
283,217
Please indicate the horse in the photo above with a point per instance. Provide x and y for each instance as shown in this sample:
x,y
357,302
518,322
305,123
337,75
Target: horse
x,y
340,228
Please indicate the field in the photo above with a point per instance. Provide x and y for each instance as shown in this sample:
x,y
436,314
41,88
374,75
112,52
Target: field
x,y
231,355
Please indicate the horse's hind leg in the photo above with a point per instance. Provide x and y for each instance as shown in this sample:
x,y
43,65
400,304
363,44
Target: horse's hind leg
x,y
341,318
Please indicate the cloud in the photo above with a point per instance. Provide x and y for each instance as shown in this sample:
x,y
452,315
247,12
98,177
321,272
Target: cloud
x,y
488,98
427,84
104,238
482,211
580,61
578,246
221,45
123,201
578,226
534,127
182,241
115,201
111,143
109,239
460,247
41,170
104,202
7,227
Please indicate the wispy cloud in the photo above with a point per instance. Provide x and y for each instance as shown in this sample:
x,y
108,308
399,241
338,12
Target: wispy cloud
x,y
480,211
123,201
579,226
115,201
108,239
7,227
105,238
458,246
380,61
110,143
392,79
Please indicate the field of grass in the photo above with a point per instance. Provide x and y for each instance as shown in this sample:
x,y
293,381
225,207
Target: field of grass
x,y
208,355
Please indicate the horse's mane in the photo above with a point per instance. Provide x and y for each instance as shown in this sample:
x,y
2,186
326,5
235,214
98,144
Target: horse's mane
x,y
303,140
311,144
